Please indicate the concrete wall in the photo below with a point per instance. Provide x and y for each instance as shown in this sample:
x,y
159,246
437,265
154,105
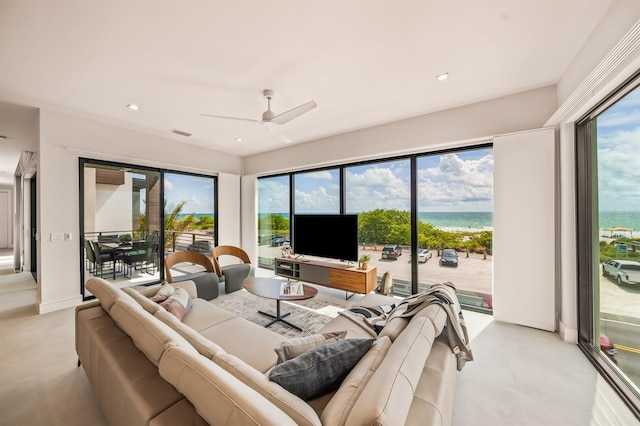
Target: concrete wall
x,y
65,138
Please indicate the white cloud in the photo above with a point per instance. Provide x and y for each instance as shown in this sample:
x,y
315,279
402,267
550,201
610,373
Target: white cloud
x,y
457,184
168,185
619,171
376,188
318,200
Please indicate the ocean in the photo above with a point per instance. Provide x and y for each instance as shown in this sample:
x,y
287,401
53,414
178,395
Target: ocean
x,y
628,219
480,220
476,220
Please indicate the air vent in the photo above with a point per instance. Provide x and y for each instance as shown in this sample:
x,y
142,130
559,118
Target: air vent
x,y
181,133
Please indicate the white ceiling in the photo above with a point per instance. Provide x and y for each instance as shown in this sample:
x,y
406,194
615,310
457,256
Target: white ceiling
x,y
364,62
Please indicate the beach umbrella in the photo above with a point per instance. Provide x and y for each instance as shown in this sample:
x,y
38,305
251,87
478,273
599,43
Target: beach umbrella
x,y
619,229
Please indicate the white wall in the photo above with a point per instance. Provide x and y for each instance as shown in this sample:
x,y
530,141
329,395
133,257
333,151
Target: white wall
x,y
229,229
445,129
524,239
114,206
58,186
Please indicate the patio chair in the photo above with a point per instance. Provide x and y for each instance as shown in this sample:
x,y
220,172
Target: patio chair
x,y
207,281
101,259
233,275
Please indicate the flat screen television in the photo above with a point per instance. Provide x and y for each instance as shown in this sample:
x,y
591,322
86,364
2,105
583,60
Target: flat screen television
x,y
326,235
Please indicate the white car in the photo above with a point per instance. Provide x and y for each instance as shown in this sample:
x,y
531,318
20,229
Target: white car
x,y
424,255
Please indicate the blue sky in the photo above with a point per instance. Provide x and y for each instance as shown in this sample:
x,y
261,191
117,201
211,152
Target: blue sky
x,y
197,190
619,155
459,182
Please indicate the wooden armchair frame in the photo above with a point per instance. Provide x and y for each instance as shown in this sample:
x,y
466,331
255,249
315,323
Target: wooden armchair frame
x,y
187,256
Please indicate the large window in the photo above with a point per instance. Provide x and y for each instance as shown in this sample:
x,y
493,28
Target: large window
x,y
455,223
380,193
131,216
410,211
273,218
608,147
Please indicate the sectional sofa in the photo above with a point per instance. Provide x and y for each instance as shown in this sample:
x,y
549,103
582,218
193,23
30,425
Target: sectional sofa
x,y
147,367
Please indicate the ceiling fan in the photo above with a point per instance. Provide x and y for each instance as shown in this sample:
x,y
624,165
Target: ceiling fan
x,y
270,118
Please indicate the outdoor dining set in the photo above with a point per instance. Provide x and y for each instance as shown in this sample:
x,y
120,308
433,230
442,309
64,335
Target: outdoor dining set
x,y
110,255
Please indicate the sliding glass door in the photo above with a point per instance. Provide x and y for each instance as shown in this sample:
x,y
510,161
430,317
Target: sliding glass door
x,y
608,174
131,216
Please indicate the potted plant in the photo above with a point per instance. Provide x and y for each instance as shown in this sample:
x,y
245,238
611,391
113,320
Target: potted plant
x,y
363,262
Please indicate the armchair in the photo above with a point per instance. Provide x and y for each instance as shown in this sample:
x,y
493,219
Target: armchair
x,y
207,281
232,275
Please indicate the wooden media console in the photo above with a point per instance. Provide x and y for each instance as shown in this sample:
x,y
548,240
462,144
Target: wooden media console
x,y
329,274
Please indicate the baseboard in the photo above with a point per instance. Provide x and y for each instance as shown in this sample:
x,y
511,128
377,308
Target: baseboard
x,y
569,335
56,305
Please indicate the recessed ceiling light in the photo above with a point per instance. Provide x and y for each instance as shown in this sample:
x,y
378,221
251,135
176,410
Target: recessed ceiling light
x,y
442,77
238,139
133,107
3,138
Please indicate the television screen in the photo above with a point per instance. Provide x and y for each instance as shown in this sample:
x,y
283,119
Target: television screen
x,y
326,235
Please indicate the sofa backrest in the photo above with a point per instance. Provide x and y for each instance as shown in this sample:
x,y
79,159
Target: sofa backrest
x,y
387,397
218,397
294,407
150,336
337,410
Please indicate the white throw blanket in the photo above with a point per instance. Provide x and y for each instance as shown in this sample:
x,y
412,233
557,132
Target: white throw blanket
x,y
373,318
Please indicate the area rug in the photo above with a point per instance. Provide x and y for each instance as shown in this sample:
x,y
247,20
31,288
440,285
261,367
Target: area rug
x,y
311,314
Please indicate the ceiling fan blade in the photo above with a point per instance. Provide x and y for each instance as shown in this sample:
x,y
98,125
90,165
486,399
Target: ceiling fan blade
x,y
231,118
293,113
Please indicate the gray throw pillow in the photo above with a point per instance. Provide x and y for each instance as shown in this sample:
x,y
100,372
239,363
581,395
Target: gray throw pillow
x,y
320,370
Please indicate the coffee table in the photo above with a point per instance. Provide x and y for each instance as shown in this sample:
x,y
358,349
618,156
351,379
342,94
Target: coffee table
x,y
269,288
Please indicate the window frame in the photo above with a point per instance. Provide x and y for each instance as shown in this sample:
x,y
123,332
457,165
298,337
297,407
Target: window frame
x,y
413,202
586,178
84,161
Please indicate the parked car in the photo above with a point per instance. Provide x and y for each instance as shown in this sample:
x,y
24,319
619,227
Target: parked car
x,y
622,271
391,251
449,257
607,347
278,241
201,246
424,255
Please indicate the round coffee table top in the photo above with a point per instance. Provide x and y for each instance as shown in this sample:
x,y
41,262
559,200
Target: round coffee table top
x,y
269,288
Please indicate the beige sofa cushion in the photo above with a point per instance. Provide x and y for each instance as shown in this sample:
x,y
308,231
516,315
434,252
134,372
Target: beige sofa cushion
x,y
293,406
387,398
150,336
433,399
105,291
338,409
204,346
146,303
218,397
203,315
233,335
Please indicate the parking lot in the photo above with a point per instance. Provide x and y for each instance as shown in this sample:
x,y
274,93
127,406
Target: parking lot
x,y
472,274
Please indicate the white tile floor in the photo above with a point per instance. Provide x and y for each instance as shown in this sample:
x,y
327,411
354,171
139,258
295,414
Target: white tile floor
x,y
523,376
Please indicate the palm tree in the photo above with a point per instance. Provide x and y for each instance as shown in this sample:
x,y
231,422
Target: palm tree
x,y
172,223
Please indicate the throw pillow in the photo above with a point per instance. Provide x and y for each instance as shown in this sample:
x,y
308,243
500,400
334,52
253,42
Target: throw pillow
x,y
163,293
299,345
178,303
321,369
